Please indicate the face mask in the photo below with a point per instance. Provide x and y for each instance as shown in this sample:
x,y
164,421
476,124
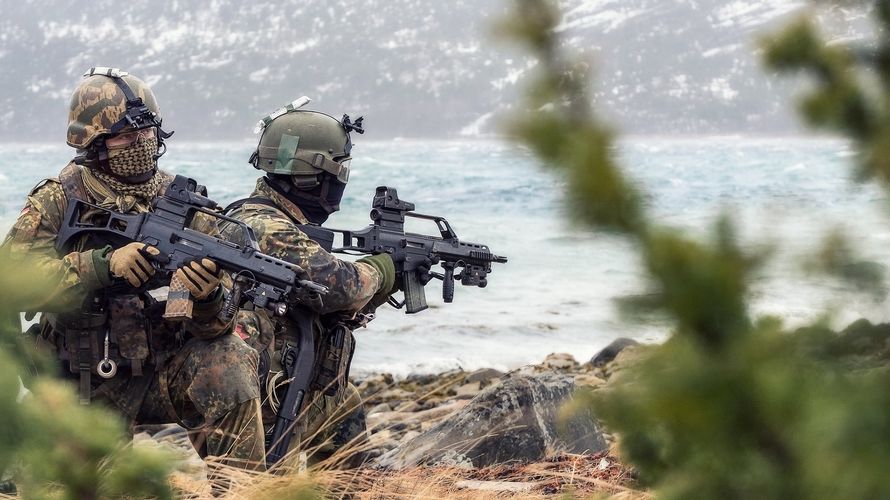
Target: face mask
x,y
314,213
317,203
133,171
322,202
134,160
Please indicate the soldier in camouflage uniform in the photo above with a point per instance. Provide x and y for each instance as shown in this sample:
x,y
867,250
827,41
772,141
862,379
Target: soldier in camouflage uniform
x,y
306,156
100,319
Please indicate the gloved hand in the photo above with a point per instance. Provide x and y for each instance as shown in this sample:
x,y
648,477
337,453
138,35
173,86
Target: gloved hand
x,y
131,262
201,278
423,271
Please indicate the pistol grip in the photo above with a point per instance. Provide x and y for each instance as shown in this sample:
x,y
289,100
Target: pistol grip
x,y
179,302
415,297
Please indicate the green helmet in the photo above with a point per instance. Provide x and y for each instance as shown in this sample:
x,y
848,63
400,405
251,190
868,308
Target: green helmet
x,y
303,144
101,105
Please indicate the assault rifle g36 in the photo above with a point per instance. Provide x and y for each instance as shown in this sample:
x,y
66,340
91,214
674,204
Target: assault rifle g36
x,y
273,283
412,254
468,262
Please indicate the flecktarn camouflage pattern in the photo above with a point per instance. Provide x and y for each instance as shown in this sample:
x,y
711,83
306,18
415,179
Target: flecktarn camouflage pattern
x,y
328,421
351,285
197,374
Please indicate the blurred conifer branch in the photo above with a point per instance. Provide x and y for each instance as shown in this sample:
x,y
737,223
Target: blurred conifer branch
x,y
730,406
50,445
852,85
560,126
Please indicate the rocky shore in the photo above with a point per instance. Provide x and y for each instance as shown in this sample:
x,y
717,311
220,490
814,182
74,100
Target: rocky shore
x,y
480,433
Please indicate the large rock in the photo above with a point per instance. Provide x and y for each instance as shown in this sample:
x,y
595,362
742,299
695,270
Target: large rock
x,y
611,351
516,420
560,362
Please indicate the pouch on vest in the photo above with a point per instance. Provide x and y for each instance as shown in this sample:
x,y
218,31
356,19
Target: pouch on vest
x,y
334,359
77,331
127,324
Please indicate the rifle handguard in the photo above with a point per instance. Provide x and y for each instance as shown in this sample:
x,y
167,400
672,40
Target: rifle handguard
x,y
274,283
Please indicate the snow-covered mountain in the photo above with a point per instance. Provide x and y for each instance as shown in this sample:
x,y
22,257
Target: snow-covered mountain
x,y
412,67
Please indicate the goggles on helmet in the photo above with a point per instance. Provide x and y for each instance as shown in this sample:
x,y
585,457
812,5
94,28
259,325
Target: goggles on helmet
x,y
128,138
337,168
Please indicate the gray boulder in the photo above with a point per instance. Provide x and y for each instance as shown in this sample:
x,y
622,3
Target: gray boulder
x,y
610,352
516,420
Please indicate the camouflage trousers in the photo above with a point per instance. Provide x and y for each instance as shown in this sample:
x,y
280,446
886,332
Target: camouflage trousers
x,y
332,424
328,427
327,424
211,388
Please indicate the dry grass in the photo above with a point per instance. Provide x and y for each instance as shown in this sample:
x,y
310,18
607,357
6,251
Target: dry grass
x,y
580,476
564,475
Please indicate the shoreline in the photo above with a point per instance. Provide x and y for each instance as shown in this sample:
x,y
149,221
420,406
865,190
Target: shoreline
x,y
421,409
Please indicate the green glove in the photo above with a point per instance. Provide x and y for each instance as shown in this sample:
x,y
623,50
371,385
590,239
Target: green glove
x,y
384,265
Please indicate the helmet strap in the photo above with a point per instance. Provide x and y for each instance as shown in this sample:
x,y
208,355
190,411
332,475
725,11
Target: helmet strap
x,y
138,116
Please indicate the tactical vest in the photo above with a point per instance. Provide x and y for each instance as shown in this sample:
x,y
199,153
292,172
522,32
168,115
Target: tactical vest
x,y
117,316
333,332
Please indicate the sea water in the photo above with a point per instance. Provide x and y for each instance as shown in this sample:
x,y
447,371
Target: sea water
x,y
559,290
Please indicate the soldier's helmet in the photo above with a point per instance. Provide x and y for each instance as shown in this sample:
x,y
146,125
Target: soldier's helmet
x,y
309,146
100,106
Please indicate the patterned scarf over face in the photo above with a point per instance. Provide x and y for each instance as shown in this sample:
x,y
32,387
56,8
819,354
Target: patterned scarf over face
x,y
135,159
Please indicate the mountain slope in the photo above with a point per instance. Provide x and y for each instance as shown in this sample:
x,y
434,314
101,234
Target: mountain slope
x,y
413,67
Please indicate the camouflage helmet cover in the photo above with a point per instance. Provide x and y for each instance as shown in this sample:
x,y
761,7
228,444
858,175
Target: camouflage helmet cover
x,y
99,103
304,143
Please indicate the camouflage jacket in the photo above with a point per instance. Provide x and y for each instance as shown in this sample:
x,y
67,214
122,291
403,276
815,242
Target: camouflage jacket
x,y
80,273
351,285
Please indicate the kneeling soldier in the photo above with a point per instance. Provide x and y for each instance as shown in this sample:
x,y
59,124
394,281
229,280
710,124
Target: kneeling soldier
x,y
305,156
100,319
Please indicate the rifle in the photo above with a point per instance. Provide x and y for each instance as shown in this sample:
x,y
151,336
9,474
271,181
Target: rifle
x,y
268,282
411,252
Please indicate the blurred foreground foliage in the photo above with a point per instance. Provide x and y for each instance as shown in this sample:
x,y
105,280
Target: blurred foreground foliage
x,y
851,92
731,406
51,446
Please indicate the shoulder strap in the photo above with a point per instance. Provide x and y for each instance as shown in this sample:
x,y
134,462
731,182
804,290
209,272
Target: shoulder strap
x,y
71,179
40,184
235,205
320,235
